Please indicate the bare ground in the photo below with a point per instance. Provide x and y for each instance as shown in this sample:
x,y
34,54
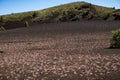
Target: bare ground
x,y
60,51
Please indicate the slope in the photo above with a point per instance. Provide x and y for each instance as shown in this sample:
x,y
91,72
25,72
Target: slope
x,y
75,11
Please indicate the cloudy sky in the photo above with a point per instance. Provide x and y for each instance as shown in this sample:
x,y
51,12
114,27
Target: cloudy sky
x,y
14,6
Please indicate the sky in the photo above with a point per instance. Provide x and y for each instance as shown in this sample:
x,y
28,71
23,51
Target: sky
x,y
15,6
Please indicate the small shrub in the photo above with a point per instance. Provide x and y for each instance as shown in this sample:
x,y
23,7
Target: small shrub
x,y
29,43
35,14
1,51
115,39
27,24
2,28
55,58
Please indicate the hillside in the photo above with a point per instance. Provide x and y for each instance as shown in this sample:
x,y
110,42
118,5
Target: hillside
x,y
63,13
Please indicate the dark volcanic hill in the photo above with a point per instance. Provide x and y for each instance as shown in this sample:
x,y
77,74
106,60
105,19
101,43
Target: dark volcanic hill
x,y
76,11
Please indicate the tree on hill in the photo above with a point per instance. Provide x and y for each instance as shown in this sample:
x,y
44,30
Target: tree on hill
x,y
113,7
1,19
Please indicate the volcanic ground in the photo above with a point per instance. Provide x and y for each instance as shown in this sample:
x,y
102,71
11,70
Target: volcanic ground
x,y
60,51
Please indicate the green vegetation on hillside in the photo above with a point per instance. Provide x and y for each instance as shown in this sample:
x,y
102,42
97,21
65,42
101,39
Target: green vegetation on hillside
x,y
67,12
17,16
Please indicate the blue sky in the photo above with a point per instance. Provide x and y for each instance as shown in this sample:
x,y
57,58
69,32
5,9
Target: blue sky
x,y
14,6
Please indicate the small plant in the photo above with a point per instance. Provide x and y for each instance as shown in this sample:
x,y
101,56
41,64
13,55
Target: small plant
x,y
2,28
26,24
55,58
29,43
115,39
1,51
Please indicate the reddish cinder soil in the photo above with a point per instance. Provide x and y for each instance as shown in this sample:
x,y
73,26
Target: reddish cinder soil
x,y
60,51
